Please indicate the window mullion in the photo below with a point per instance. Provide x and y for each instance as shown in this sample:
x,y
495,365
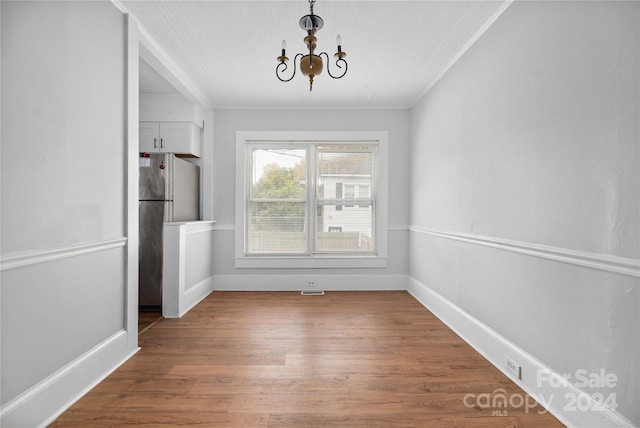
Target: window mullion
x,y
277,200
311,197
248,164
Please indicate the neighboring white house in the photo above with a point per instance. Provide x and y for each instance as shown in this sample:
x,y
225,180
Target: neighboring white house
x,y
353,219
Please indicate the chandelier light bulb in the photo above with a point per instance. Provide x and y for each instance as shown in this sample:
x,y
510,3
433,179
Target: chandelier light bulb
x,y
308,24
284,44
339,41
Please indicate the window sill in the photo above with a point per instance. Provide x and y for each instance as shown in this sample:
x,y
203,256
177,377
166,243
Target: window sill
x,y
299,262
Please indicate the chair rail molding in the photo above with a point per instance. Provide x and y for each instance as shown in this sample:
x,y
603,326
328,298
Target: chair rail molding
x,y
20,260
604,262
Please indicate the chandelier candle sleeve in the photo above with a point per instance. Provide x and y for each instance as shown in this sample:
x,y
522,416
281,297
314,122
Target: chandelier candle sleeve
x,y
283,57
311,64
340,54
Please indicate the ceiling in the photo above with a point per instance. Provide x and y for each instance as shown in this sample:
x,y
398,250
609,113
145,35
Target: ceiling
x,y
151,82
396,50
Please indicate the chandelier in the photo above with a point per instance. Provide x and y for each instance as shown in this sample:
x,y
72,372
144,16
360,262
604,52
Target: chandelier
x,y
311,64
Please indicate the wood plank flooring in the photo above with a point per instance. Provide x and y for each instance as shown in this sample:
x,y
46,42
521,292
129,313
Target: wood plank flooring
x,y
147,319
279,359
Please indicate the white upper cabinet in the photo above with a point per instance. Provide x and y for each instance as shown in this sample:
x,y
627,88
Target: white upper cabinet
x,y
170,137
170,124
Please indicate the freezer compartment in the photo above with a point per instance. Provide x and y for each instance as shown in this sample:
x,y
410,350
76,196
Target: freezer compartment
x,y
155,180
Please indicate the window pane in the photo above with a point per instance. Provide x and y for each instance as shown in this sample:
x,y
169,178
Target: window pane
x,y
277,227
352,168
348,230
278,174
364,193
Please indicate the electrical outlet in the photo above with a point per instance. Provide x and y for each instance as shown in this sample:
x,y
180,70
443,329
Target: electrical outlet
x,y
514,369
312,284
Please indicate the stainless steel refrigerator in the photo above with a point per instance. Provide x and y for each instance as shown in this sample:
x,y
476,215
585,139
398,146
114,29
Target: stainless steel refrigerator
x,y
169,191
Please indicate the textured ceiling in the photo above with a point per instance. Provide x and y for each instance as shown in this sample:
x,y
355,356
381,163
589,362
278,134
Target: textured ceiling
x,y
395,49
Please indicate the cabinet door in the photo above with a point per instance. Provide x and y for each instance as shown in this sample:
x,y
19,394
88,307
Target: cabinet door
x,y
149,137
175,137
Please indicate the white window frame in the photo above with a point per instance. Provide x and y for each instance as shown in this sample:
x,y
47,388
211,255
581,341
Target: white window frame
x,y
378,260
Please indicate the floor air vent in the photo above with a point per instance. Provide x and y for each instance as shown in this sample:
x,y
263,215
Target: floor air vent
x,y
312,293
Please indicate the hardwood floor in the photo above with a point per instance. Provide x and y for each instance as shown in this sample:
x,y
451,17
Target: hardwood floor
x,y
279,359
147,319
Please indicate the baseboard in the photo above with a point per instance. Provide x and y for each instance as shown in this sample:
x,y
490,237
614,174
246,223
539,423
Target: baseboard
x,y
343,282
558,399
195,294
43,403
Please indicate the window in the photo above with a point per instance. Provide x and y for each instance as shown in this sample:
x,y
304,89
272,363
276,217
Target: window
x,y
341,163
309,199
277,208
291,203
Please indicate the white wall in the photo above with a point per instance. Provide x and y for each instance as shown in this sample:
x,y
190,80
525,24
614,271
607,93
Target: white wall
x,y
187,266
64,204
532,137
227,122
